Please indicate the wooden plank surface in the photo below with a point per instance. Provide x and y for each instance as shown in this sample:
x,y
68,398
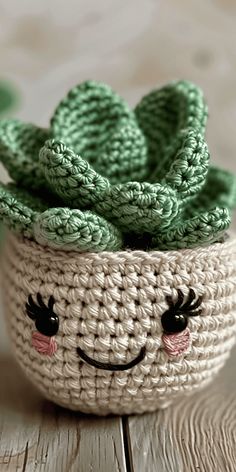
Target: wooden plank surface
x,y
45,48
36,435
197,434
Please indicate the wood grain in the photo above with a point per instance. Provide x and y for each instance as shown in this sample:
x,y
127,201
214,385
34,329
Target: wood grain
x,y
197,434
36,435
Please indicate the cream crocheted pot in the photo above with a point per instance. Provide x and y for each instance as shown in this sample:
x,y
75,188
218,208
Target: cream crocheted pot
x,y
123,332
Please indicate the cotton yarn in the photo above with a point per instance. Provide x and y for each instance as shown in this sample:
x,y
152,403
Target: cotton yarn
x,y
98,325
102,174
109,305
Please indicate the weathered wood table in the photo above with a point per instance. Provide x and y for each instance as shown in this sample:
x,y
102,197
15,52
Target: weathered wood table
x,y
45,47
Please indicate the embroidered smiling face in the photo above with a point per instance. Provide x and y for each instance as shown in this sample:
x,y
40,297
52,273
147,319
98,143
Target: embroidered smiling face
x,y
119,332
176,336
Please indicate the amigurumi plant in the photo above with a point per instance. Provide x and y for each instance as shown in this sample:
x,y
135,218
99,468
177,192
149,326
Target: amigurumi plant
x,y
119,272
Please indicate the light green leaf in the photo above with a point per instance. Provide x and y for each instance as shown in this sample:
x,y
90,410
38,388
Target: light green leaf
x,y
139,207
202,229
70,176
67,229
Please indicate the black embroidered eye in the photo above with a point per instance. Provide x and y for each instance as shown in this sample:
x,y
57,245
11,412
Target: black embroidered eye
x,y
174,322
175,319
46,321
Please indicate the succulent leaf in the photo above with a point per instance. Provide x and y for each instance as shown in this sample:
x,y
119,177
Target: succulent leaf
x,y
124,156
70,176
189,166
201,229
93,120
71,229
219,190
19,148
108,178
18,208
163,113
139,207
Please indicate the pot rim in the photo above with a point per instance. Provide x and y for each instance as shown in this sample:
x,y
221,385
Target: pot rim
x,y
30,248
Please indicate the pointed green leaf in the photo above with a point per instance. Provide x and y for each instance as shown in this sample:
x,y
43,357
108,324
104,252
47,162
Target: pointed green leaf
x,y
202,229
189,165
87,118
67,229
163,113
70,176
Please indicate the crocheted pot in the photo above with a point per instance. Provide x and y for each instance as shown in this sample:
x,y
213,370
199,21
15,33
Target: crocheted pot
x,y
123,332
119,284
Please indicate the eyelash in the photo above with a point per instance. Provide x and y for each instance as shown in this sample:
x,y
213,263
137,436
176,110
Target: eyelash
x,y
34,310
46,321
189,307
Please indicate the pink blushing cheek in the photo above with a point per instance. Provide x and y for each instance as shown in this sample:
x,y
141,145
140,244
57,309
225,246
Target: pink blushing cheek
x,y
177,343
44,344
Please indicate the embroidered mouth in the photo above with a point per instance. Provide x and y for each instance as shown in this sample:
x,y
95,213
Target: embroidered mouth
x,y
108,366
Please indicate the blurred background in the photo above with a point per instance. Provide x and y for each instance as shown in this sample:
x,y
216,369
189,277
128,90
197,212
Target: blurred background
x,y
47,46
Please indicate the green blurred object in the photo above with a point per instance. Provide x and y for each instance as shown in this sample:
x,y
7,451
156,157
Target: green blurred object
x,y
8,97
8,101
2,233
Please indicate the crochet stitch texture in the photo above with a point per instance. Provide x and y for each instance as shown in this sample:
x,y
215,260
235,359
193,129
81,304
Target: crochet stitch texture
x,y
118,279
104,177
110,306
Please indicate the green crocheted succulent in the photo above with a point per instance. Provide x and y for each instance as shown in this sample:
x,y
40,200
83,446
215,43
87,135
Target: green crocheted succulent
x,y
103,177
